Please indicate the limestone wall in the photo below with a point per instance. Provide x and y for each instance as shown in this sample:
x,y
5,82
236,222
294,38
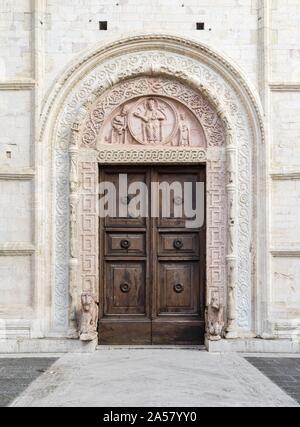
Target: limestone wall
x,y
284,121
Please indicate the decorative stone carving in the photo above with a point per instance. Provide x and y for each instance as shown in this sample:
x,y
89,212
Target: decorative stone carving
x,y
119,127
231,221
73,230
141,155
214,318
73,225
152,121
152,111
88,227
73,303
158,122
184,132
231,330
88,318
232,243
197,71
62,230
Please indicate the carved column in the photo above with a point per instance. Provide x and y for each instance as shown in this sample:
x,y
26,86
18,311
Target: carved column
x,y
232,244
73,262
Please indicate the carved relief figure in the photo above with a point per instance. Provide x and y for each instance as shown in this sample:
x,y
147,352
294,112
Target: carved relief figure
x,y
88,318
152,121
214,318
149,120
184,132
119,127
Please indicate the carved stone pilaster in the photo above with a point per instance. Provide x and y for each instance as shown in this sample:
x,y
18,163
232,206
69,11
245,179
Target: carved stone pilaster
x,y
73,297
232,244
73,266
73,221
74,198
231,330
73,156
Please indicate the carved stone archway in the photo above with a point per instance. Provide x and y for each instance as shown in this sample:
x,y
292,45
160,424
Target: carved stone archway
x,y
97,134
217,95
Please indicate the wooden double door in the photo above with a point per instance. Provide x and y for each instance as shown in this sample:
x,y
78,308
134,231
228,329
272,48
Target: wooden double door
x,y
152,266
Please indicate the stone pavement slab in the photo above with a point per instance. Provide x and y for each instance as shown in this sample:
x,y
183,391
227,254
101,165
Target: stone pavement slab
x,y
17,373
145,377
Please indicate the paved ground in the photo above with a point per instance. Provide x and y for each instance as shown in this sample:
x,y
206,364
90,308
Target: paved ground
x,y
16,374
285,372
153,378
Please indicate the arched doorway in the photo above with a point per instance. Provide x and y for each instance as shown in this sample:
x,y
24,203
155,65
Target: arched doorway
x,y
210,92
152,265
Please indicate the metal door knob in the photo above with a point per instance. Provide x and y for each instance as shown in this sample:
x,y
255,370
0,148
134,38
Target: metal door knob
x,y
125,244
178,244
125,287
178,288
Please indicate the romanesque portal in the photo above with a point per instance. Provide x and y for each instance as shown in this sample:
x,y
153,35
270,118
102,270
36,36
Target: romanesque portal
x,y
145,109
153,117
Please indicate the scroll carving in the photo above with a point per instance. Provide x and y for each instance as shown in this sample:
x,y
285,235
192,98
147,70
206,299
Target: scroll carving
x,y
142,155
73,229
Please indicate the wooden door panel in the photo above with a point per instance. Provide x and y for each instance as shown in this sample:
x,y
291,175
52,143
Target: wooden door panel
x,y
152,273
177,292
181,244
125,288
130,219
178,332
171,206
134,332
122,244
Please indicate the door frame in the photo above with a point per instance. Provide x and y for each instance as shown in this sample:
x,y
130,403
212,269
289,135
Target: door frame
x,y
152,227
229,172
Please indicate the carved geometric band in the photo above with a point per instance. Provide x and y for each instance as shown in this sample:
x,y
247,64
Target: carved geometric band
x,y
142,155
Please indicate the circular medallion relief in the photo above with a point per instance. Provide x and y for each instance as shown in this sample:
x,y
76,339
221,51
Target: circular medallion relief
x,y
153,121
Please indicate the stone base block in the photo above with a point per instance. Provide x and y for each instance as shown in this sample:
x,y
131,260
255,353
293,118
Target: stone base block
x,y
46,345
54,345
254,345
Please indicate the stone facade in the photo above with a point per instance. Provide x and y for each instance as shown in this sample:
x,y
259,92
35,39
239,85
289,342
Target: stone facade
x,y
57,67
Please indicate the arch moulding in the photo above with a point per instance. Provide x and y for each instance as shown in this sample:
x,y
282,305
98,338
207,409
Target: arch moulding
x,y
182,73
